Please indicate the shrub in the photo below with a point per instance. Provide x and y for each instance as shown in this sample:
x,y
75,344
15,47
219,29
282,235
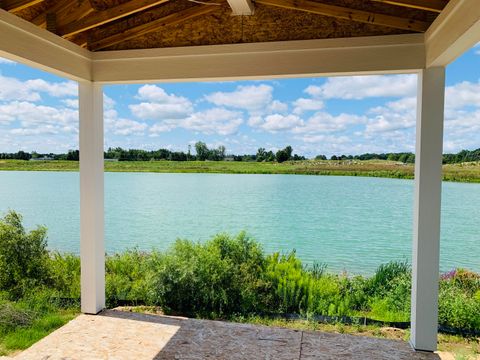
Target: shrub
x,y
24,259
383,281
220,277
65,273
126,276
458,304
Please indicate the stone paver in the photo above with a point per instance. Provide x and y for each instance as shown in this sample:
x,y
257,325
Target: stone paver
x,y
117,335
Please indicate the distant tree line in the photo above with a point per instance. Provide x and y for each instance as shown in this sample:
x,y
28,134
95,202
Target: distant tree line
x,y
203,153
408,157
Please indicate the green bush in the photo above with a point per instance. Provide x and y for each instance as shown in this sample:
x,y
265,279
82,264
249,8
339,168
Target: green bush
x,y
222,276
126,276
459,305
24,259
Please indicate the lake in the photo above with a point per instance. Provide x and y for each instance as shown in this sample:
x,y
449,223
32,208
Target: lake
x,y
349,223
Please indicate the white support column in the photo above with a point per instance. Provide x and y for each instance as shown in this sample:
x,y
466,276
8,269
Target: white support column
x,y
92,250
426,215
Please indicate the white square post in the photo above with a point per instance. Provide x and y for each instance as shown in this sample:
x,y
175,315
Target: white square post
x,y
427,208
92,250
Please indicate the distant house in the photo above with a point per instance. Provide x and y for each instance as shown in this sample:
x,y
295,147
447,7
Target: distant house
x,y
229,158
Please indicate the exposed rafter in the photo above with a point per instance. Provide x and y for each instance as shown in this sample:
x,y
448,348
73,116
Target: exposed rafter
x,y
17,5
65,12
151,26
341,12
105,16
241,7
428,5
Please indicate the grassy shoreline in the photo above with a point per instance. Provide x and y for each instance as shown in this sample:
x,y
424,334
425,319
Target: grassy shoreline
x,y
463,172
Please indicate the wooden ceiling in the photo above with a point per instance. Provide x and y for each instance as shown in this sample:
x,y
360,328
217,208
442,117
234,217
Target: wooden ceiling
x,y
101,25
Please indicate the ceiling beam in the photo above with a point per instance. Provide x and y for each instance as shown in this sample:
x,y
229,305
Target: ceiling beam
x,y
17,5
105,16
155,25
341,12
428,5
241,7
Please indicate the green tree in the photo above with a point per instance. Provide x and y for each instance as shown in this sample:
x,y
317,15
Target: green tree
x,y
202,151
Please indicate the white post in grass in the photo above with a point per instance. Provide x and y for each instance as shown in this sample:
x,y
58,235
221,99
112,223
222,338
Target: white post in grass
x,y
426,215
92,251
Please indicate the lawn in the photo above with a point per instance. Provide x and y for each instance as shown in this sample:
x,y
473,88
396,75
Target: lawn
x,y
463,172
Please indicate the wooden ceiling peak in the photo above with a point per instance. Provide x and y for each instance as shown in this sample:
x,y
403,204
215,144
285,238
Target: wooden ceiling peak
x,y
112,24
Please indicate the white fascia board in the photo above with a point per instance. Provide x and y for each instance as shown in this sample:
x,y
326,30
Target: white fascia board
x,y
453,32
26,43
329,57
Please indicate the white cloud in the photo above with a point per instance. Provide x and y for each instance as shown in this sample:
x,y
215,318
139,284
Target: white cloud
x,y
253,98
323,122
71,103
14,89
159,105
7,62
461,95
394,115
26,119
277,107
276,122
120,126
477,46
361,87
30,114
302,104
164,126
214,121
61,89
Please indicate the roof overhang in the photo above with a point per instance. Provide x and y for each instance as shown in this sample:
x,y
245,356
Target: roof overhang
x,y
454,31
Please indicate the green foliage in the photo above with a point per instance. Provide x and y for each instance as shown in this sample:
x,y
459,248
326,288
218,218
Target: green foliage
x,y
24,259
459,300
382,282
222,276
65,273
126,276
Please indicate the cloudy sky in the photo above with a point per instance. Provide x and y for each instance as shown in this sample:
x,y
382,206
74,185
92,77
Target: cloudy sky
x,y
341,115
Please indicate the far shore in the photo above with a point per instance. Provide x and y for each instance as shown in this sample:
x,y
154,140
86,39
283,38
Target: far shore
x,y
462,172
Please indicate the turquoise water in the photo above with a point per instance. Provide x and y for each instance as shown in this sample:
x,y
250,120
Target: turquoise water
x,y
350,223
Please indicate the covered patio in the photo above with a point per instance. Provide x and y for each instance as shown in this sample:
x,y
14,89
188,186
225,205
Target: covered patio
x,y
100,42
127,335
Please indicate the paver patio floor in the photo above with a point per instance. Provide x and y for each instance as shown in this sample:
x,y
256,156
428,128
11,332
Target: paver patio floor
x,y
124,335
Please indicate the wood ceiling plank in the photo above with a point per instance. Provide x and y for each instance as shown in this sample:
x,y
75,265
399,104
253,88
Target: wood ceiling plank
x,y
17,5
105,16
154,25
428,5
341,12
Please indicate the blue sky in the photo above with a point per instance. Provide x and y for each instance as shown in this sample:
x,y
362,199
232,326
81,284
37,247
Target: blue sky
x,y
341,115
